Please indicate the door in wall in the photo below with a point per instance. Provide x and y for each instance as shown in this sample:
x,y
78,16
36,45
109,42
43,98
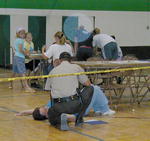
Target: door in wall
x,y
37,26
4,40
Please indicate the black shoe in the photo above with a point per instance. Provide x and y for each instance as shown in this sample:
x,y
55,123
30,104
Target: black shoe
x,y
79,121
35,85
119,80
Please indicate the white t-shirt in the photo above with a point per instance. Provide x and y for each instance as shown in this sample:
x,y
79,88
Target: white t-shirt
x,y
55,50
100,40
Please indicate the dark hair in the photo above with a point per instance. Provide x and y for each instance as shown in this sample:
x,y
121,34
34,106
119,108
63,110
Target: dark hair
x,y
65,56
113,36
37,115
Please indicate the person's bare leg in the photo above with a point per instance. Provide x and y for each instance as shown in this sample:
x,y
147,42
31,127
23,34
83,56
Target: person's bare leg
x,y
28,74
22,83
26,86
11,82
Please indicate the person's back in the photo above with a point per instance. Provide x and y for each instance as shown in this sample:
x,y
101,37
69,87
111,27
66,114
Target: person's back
x,y
102,40
65,86
56,49
107,44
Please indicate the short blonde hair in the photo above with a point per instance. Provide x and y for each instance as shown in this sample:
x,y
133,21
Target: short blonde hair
x,y
96,31
28,33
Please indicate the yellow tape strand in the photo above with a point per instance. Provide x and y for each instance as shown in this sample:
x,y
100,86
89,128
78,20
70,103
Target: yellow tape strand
x,y
72,74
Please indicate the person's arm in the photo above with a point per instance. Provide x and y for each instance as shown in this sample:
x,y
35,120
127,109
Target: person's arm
x,y
47,53
32,48
75,45
94,42
83,79
43,52
24,51
25,113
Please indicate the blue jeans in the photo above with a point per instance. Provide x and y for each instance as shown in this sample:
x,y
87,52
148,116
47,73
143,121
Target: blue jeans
x,y
111,51
47,69
99,102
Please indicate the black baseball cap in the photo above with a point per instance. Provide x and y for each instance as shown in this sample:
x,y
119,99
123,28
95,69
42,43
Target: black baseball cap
x,y
65,55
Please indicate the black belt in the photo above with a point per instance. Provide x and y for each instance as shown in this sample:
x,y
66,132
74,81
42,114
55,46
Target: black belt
x,y
66,99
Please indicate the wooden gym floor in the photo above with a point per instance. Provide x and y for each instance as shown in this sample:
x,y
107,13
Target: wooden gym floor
x,y
130,123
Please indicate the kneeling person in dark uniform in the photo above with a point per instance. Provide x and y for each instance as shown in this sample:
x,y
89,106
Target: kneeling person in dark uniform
x,y
65,98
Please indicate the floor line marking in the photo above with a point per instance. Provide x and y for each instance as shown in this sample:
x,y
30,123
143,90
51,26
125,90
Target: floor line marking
x,y
83,134
8,109
133,117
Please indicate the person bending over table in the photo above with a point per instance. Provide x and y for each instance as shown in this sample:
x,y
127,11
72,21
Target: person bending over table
x,y
83,44
107,44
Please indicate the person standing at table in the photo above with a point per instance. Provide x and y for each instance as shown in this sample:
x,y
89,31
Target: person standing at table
x,y
29,47
28,44
107,44
83,44
19,58
53,52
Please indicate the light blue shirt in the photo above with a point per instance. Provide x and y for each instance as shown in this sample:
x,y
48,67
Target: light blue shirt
x,y
17,42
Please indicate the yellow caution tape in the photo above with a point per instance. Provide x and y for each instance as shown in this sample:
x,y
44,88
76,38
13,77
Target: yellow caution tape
x,y
72,74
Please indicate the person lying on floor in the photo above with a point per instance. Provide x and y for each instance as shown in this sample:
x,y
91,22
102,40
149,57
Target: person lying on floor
x,y
99,104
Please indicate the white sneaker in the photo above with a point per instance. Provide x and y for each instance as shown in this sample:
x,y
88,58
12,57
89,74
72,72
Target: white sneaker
x,y
109,113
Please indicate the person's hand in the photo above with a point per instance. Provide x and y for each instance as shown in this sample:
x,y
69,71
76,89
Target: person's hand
x,y
27,53
44,48
56,62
